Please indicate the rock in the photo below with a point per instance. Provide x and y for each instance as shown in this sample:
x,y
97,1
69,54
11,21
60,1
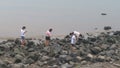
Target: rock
x,y
2,53
17,51
117,33
18,58
54,49
3,64
83,62
90,56
100,58
55,66
96,50
62,56
66,66
31,50
92,39
17,41
79,58
33,66
107,28
108,59
64,52
39,63
44,58
34,56
20,65
68,58
29,61
104,46
113,46
81,52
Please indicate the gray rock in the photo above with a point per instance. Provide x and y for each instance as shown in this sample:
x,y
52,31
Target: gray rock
x,y
101,58
84,62
69,58
18,58
31,50
66,66
62,56
44,58
29,61
20,65
79,58
104,46
3,64
113,46
96,50
39,63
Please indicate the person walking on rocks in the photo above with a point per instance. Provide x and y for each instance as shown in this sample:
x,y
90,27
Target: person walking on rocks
x,y
48,37
73,40
23,32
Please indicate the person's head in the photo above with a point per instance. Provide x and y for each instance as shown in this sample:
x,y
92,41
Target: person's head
x,y
50,29
71,33
23,27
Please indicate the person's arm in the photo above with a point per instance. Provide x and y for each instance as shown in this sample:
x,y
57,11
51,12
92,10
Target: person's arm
x,y
25,32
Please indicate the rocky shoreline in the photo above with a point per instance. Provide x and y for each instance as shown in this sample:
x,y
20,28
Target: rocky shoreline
x,y
105,47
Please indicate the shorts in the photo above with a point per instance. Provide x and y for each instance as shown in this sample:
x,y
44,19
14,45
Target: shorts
x,y
22,38
47,38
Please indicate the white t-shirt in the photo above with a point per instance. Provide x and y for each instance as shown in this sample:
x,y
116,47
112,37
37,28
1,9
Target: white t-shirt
x,y
77,33
23,32
73,39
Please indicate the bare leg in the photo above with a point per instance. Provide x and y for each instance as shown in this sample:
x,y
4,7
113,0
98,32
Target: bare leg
x,y
46,42
23,42
72,47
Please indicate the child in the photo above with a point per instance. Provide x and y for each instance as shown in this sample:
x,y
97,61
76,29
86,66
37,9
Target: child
x,y
23,31
48,36
73,40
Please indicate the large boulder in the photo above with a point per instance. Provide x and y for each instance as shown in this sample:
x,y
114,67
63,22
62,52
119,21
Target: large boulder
x,y
107,28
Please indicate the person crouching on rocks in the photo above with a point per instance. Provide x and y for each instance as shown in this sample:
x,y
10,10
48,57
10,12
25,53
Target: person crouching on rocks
x,y
23,32
48,37
73,40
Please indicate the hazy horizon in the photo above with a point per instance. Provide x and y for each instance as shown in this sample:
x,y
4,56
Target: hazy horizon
x,y
63,16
